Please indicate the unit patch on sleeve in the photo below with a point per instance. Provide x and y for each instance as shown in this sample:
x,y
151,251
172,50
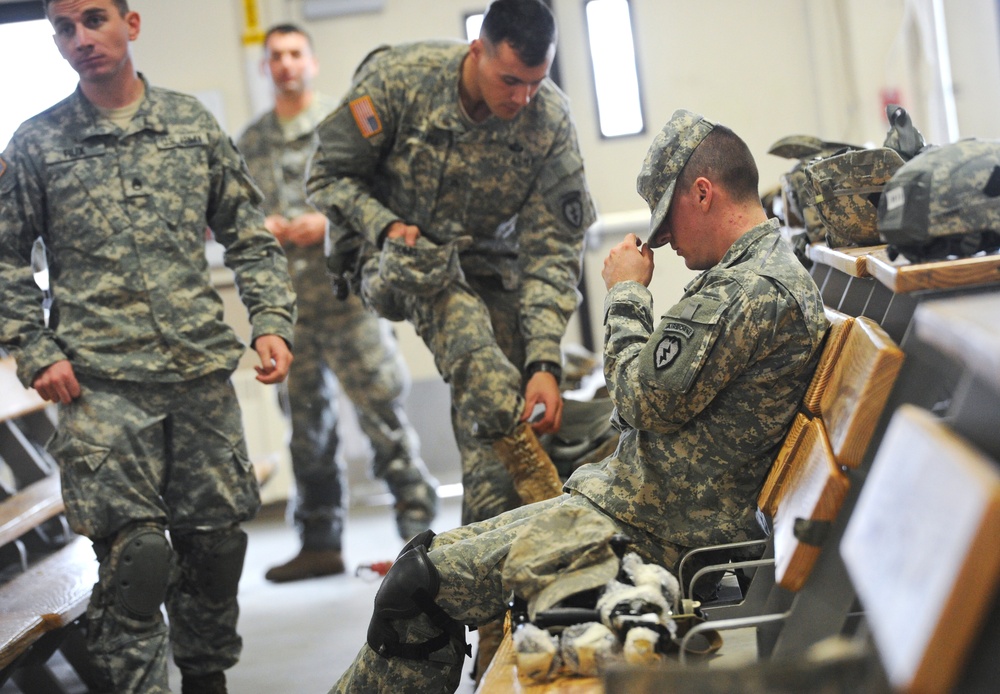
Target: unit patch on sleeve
x,y
572,208
3,167
363,110
667,352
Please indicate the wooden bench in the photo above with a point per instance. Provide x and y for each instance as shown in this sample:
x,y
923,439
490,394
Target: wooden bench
x,y
39,609
24,427
921,550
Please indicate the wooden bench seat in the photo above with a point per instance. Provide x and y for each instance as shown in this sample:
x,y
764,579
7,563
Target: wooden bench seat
x,y
50,595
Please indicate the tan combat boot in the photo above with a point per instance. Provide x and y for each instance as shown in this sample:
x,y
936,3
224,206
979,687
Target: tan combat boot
x,y
535,477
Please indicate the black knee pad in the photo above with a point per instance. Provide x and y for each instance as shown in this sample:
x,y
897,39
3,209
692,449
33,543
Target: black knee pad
x,y
213,561
140,568
409,589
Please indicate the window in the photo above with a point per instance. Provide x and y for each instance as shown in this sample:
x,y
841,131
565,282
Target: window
x,y
36,77
472,24
616,79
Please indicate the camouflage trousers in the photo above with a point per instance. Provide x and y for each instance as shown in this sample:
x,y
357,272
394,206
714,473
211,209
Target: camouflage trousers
x,y
343,347
470,561
170,455
472,328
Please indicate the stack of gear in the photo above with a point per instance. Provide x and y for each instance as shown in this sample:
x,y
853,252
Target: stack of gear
x,y
944,203
834,189
629,619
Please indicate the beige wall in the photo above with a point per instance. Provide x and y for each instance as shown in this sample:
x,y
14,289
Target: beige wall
x,y
767,68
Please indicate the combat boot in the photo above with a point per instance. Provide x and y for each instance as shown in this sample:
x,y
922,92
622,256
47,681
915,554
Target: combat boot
x,y
308,563
416,498
212,683
535,477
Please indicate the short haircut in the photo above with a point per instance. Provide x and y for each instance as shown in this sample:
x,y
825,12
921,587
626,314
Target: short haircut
x,y
527,25
282,29
723,158
122,6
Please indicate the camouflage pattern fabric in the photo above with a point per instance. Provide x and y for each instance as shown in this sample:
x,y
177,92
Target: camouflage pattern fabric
x,y
173,456
844,189
703,398
156,435
341,346
124,215
400,147
945,201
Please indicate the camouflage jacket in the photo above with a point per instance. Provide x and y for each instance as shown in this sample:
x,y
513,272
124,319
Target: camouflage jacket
x,y
277,155
399,147
124,216
705,397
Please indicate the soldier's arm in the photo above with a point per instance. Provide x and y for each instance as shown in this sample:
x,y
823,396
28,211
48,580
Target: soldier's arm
x,y
660,378
22,328
351,141
551,229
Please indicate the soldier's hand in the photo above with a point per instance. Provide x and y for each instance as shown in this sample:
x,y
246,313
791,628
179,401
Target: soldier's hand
x,y
275,359
278,226
543,389
407,232
307,230
628,261
57,383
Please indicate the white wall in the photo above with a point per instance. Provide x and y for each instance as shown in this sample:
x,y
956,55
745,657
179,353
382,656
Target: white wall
x,y
767,68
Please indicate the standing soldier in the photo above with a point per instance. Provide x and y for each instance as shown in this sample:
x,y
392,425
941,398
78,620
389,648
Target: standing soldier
x,y
120,180
335,341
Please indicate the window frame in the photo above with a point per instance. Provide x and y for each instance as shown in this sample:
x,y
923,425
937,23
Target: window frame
x,y
638,74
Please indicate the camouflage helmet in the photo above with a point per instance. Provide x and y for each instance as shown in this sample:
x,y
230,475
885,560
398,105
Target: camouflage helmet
x,y
844,191
944,202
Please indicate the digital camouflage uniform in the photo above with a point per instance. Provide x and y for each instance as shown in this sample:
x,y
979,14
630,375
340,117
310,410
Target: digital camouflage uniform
x,y
703,400
400,148
337,342
155,440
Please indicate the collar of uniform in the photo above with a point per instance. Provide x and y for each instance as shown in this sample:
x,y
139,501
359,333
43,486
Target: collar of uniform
x,y
447,109
743,243
151,111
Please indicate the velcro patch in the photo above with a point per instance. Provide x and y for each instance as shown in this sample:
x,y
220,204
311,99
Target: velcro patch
x,y
363,110
572,209
667,352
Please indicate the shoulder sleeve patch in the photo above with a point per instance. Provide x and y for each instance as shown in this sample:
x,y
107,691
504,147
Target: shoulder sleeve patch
x,y
3,167
365,116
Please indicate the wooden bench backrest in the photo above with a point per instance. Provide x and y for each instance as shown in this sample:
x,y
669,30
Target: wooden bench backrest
x,y
814,491
836,336
921,549
859,387
30,507
16,401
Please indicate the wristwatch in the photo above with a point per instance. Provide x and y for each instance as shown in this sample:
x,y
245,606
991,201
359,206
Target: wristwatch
x,y
546,366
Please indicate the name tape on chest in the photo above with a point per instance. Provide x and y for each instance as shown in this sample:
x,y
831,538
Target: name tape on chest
x,y
363,110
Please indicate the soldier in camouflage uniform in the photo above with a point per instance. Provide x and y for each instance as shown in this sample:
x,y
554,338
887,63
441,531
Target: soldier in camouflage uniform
x,y
703,400
471,148
336,342
121,181
460,162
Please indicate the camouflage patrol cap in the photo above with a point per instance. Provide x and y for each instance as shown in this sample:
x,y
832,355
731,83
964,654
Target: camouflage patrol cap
x,y
563,551
422,269
944,202
665,159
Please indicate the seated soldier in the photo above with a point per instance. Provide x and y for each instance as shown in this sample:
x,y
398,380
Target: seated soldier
x,y
703,401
